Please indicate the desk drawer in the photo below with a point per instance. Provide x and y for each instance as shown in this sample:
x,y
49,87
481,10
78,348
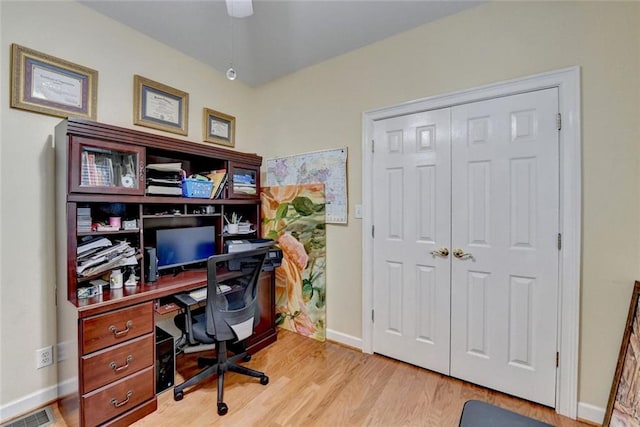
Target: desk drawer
x,y
113,363
117,398
116,327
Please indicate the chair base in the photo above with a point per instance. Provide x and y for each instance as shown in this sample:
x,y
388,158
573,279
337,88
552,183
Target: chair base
x,y
218,367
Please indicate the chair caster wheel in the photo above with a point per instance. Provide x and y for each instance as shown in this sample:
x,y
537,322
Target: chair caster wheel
x,y
222,408
247,358
264,380
178,395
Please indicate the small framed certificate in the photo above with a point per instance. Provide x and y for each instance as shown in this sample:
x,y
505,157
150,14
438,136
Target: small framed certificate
x,y
159,106
218,127
45,84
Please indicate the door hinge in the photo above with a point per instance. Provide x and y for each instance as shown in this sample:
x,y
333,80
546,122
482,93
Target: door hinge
x,y
373,231
372,316
559,121
557,359
373,146
559,241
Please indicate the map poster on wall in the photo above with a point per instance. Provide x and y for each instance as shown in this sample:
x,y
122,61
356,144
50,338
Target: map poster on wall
x,y
328,167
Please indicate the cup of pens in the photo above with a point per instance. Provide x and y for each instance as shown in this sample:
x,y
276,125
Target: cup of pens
x,y
232,225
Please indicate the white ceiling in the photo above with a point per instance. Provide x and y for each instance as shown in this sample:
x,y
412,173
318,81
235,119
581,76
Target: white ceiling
x,y
282,36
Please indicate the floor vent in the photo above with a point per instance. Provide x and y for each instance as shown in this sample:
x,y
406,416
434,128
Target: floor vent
x,y
42,417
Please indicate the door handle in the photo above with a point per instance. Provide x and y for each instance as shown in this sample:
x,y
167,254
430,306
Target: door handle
x,y
443,252
460,254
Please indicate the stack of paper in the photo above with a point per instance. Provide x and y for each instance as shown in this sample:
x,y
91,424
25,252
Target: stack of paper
x,y
244,184
165,179
100,255
84,219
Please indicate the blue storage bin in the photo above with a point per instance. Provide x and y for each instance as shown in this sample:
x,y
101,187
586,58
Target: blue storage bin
x,y
195,188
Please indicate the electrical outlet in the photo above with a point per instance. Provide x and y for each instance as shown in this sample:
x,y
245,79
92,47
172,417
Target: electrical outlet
x,y
44,357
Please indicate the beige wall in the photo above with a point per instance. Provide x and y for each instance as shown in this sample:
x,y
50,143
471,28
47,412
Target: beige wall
x,y
75,33
321,107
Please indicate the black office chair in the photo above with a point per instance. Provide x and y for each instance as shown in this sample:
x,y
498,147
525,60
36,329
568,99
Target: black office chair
x,y
230,314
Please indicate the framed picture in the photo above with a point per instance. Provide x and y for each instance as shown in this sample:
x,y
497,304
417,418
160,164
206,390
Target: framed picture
x,y
219,128
624,398
159,106
45,84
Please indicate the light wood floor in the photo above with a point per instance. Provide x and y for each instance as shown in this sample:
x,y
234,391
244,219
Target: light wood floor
x,y
327,384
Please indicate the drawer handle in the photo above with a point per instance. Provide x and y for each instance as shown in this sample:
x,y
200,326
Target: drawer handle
x,y
116,333
117,404
117,368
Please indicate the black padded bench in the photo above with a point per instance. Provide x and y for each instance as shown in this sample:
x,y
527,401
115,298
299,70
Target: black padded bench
x,y
481,414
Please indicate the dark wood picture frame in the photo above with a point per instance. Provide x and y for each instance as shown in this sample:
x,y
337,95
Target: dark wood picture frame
x,y
218,128
625,390
158,106
48,85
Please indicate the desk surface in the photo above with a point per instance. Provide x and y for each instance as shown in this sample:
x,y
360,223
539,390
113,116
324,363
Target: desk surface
x,y
165,285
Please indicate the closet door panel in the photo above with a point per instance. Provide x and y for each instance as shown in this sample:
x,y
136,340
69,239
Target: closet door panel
x,y
505,223
412,223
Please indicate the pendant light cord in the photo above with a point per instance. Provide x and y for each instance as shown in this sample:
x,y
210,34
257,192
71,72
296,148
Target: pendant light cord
x,y
231,17
231,73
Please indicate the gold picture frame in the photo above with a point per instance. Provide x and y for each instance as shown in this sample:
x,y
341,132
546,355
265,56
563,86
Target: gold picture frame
x,y
625,390
158,106
218,128
48,85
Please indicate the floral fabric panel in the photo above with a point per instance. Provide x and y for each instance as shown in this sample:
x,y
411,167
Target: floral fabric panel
x,y
294,216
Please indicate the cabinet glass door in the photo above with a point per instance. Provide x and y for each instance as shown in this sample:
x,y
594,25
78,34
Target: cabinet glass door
x,y
244,181
105,167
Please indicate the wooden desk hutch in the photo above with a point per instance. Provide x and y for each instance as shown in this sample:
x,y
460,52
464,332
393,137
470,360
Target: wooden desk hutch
x,y
106,344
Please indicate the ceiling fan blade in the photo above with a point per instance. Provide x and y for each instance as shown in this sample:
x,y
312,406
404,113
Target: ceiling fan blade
x,y
239,8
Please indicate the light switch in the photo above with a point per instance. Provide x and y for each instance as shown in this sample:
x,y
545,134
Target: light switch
x,y
358,213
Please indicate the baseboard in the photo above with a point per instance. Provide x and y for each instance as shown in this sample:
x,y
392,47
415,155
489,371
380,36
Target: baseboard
x,y
345,339
28,403
67,387
591,413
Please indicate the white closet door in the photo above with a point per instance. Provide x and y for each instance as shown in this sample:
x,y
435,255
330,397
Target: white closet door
x,y
505,216
412,219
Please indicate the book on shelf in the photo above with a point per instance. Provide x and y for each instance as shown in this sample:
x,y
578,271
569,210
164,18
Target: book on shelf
x,y
244,184
244,179
220,189
217,177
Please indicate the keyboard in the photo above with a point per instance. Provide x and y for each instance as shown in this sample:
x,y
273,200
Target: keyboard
x,y
201,294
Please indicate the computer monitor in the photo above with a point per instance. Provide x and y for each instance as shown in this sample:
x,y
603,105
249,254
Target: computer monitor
x,y
177,247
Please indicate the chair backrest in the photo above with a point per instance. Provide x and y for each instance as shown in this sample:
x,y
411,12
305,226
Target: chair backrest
x,y
231,313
